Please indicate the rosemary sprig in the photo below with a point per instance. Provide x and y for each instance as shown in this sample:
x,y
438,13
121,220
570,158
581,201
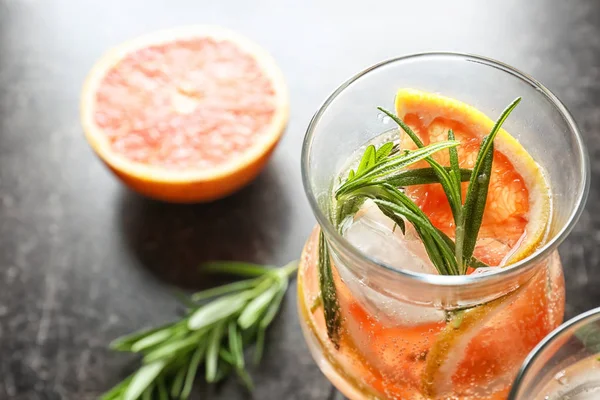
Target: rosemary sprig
x,y
380,175
387,168
467,217
213,334
376,169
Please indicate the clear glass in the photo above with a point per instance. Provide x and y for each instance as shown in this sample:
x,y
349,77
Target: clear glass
x,y
565,365
394,320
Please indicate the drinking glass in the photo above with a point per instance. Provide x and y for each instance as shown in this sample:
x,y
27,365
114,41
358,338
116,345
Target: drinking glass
x,y
398,340
565,365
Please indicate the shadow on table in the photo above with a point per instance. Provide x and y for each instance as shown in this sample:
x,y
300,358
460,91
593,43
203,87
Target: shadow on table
x,y
173,240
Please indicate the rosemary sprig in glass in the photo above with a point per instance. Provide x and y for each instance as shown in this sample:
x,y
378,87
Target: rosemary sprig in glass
x,y
220,323
381,174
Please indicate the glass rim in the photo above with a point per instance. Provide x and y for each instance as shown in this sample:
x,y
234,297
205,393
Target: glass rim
x,y
451,280
539,349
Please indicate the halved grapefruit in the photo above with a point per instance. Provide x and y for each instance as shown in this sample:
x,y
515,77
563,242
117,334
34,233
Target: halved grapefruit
x,y
185,115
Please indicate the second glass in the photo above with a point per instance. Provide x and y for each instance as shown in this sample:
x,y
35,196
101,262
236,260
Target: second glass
x,y
398,339
565,365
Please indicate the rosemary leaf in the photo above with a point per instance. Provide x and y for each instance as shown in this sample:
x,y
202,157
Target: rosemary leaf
x,y
260,345
172,348
235,345
455,171
236,268
433,252
225,289
367,160
346,209
475,263
256,307
143,378
216,311
478,185
475,205
401,178
331,306
383,151
117,390
124,343
434,242
226,356
212,353
162,389
420,176
223,370
191,371
152,340
177,385
245,378
393,216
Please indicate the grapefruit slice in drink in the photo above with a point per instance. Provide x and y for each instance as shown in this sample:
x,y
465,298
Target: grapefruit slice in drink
x,y
485,344
478,353
185,115
517,212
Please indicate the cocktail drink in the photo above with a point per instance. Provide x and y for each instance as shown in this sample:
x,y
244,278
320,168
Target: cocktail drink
x,y
565,365
433,271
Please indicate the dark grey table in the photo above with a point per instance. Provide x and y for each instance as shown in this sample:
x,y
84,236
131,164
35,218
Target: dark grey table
x,y
83,260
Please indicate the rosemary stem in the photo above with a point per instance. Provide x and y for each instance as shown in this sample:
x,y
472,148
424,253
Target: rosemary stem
x,y
289,268
459,236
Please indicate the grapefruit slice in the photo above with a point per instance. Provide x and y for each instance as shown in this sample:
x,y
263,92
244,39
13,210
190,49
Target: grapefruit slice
x,y
185,115
479,351
517,213
483,344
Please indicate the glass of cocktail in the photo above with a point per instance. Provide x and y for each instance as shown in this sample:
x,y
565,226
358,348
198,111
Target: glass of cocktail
x,y
404,292
565,365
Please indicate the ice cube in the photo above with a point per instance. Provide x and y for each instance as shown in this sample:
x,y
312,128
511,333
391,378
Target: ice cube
x,y
389,310
374,234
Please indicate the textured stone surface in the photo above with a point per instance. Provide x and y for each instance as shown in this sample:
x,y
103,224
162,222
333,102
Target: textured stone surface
x,y
83,260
